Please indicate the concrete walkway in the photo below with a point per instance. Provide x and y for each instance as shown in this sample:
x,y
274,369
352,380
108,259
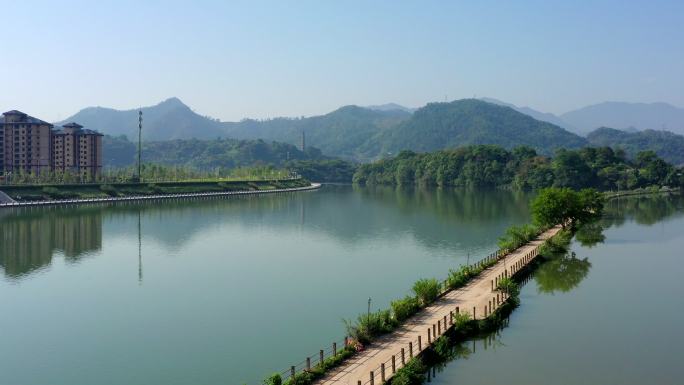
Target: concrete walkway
x,y
477,294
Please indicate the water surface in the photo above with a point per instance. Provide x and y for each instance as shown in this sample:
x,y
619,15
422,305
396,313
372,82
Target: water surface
x,y
220,291
612,314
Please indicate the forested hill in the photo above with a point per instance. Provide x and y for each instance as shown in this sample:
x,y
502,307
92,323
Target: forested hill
x,y
666,145
205,154
471,121
522,168
340,133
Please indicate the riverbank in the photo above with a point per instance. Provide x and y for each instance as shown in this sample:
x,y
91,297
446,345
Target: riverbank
x,y
87,194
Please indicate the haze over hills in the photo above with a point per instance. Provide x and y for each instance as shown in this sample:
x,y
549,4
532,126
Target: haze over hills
x,y
543,116
339,133
170,119
366,133
621,115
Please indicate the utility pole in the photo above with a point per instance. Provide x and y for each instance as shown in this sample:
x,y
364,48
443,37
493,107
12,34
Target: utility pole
x,y
139,144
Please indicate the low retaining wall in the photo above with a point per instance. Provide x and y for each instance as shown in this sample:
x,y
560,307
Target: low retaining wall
x,y
313,186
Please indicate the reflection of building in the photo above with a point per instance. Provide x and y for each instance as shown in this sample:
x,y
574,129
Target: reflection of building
x,y
28,144
28,242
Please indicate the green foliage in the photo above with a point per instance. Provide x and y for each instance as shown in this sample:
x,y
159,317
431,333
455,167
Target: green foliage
x,y
207,154
566,207
109,190
508,286
470,121
492,166
273,379
323,170
411,374
667,145
517,236
369,326
426,290
405,307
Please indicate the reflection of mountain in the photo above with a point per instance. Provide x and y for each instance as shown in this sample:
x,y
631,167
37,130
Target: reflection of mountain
x,y
30,239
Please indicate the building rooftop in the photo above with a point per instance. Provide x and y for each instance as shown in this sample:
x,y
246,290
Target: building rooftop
x,y
26,118
72,125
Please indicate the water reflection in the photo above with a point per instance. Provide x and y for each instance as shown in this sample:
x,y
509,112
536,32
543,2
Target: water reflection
x,y
31,237
29,241
561,273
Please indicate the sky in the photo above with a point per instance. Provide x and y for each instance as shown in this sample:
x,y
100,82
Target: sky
x,y
260,59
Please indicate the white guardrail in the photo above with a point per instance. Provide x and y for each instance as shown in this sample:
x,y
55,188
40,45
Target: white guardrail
x,y
313,186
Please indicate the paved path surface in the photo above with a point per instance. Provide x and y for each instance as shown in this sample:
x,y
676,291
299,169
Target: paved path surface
x,y
478,294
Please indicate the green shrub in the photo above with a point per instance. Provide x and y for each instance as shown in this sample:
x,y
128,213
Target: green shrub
x,y
368,326
109,190
459,278
517,236
273,379
405,308
411,374
426,290
509,286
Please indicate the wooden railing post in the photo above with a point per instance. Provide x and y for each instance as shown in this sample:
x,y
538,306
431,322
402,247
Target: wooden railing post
x,y
394,365
420,348
292,373
334,348
410,349
320,357
403,359
308,363
429,339
382,372
372,378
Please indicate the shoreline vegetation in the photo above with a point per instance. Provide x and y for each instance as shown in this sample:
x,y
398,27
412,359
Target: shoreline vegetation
x,y
54,192
553,206
522,168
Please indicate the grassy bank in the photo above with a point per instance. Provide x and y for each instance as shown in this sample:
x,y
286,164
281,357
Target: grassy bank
x,y
85,191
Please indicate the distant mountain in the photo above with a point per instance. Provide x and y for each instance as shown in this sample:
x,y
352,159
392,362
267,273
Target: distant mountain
x,y
340,133
620,115
470,121
391,107
205,154
666,145
170,119
543,116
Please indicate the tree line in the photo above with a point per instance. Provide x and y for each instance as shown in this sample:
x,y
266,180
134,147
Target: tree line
x,y
523,168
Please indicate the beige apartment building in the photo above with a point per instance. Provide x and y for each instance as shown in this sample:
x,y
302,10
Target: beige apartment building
x,y
29,145
77,150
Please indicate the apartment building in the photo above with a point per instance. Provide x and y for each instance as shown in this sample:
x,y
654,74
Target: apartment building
x,y
77,150
24,143
28,144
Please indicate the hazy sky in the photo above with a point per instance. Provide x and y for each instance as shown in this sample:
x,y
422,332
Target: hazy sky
x,y
235,59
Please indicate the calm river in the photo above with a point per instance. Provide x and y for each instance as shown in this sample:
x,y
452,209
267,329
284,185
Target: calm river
x,y
228,291
221,291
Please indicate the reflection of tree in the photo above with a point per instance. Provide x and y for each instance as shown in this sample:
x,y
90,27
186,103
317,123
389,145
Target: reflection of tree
x,y
28,240
561,273
645,210
591,234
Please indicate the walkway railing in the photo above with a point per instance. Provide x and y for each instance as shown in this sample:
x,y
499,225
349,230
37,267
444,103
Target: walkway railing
x,y
417,346
313,186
